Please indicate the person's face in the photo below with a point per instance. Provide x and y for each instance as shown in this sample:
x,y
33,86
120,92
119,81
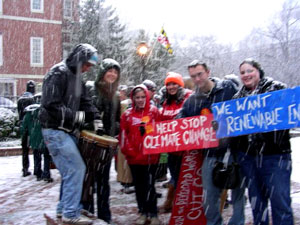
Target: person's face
x,y
123,95
249,76
86,67
139,99
151,92
111,76
199,76
172,88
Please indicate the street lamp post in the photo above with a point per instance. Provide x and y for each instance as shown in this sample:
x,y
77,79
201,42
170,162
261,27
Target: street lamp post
x,y
143,51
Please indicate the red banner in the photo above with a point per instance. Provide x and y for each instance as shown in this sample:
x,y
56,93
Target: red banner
x,y
182,134
188,203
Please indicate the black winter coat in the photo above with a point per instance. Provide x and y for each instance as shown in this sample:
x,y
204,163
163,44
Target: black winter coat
x,y
106,98
25,100
110,111
269,143
199,103
64,93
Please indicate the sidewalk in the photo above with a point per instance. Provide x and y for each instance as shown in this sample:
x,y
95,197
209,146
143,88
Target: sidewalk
x,y
23,200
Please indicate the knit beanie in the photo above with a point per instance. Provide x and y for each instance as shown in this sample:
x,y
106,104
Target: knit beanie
x,y
174,77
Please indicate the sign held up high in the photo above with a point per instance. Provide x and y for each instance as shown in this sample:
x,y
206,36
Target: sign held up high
x,y
278,110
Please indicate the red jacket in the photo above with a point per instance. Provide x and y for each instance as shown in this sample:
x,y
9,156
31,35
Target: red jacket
x,y
131,140
170,109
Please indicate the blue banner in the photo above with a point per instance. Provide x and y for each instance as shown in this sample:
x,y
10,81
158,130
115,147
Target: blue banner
x,y
266,112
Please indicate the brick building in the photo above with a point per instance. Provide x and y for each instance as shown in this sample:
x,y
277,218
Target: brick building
x,y
34,35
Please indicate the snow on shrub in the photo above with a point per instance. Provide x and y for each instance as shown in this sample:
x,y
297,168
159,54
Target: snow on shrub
x,y
8,120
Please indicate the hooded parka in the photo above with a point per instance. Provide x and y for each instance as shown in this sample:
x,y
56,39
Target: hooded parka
x,y
64,92
32,125
131,140
106,98
269,143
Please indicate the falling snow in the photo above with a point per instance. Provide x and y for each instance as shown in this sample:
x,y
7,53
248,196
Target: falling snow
x,y
23,200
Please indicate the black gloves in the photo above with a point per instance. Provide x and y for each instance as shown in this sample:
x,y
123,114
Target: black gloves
x,y
142,129
215,125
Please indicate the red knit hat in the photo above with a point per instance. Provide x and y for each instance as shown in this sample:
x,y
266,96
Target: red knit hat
x,y
174,77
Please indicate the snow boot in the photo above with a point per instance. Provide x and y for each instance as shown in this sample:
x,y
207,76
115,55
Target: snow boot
x,y
168,204
141,220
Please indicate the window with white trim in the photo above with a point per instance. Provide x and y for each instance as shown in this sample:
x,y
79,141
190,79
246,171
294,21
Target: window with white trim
x,y
1,50
1,7
36,51
68,8
8,89
37,6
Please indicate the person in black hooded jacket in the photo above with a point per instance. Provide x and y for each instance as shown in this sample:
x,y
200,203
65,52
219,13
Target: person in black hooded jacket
x,y
106,99
25,100
65,104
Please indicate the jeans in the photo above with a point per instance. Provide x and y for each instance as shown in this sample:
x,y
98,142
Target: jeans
x,y
65,154
37,162
47,161
212,197
37,159
268,179
174,164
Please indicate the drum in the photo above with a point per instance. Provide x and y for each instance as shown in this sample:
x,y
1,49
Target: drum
x,y
99,149
96,152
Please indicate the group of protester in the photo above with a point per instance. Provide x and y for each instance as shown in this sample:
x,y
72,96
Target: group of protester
x,y
69,105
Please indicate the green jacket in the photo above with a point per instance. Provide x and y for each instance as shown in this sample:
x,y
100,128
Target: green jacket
x,y
32,124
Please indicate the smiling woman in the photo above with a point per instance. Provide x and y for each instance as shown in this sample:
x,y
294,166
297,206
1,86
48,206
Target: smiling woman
x,y
271,149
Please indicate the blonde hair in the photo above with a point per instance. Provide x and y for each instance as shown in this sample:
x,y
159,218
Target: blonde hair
x,y
188,83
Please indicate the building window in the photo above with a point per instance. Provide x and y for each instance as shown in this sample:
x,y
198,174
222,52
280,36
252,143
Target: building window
x,y
1,8
36,52
1,49
8,89
68,8
66,37
37,6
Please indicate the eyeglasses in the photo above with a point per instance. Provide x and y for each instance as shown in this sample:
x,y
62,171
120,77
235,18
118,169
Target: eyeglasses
x,y
193,76
247,71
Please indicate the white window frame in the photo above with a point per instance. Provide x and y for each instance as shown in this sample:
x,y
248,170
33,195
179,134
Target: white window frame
x,y
41,10
32,63
8,81
1,49
1,7
71,9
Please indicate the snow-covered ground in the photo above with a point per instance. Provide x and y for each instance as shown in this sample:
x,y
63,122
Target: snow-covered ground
x,y
23,200
10,143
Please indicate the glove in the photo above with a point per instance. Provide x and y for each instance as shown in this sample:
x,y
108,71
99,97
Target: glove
x,y
142,129
98,127
79,118
215,125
